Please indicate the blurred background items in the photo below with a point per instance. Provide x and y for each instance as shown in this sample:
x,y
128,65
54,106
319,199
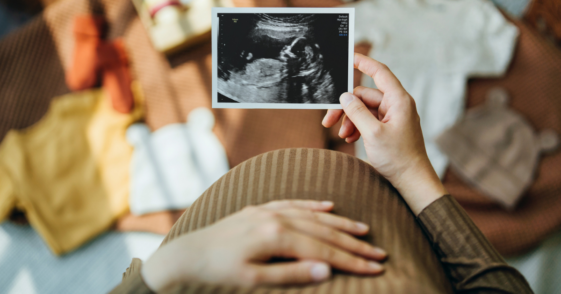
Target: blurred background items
x,y
66,64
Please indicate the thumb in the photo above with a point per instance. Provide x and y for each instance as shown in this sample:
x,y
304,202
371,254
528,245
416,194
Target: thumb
x,y
297,272
357,112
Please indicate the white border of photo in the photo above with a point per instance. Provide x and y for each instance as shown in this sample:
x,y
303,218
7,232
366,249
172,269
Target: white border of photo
x,y
215,23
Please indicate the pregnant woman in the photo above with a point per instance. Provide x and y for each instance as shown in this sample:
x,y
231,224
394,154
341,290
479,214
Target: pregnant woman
x,y
318,221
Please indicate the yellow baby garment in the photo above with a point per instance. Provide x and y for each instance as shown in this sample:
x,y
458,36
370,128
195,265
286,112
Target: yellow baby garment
x,y
70,171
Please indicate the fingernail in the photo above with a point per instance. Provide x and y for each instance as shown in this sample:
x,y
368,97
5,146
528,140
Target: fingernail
x,y
323,120
341,132
320,272
379,251
375,266
361,226
327,203
346,99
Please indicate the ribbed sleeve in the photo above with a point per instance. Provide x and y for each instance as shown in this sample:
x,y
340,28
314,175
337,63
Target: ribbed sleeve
x,y
470,261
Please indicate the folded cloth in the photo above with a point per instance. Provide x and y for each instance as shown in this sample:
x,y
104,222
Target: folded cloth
x,y
495,149
69,172
171,167
433,47
533,84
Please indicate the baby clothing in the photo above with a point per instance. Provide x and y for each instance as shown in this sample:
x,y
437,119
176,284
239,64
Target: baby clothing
x,y
173,166
433,47
495,149
69,172
93,55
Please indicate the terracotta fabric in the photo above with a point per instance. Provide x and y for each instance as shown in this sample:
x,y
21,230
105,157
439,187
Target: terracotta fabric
x,y
545,15
94,56
419,262
117,79
533,82
157,222
83,74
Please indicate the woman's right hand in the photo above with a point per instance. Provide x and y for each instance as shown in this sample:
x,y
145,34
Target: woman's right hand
x,y
235,250
388,122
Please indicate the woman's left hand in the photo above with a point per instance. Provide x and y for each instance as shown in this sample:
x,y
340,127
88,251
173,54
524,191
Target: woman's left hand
x,y
236,249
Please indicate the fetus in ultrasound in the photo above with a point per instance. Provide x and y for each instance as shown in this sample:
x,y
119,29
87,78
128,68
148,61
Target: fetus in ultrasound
x,y
307,80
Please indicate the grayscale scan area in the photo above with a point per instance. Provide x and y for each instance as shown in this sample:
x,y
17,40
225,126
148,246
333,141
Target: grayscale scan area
x,y
282,58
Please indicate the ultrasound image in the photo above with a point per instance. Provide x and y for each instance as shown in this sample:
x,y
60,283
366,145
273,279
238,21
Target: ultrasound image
x,y
281,58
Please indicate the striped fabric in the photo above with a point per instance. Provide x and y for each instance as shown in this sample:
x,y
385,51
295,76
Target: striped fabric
x,y
461,258
358,193
471,262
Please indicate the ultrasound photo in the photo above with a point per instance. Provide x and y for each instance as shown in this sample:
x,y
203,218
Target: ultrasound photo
x,y
269,58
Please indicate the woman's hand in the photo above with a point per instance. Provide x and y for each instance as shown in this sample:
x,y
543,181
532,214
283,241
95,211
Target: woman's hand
x,y
389,124
236,249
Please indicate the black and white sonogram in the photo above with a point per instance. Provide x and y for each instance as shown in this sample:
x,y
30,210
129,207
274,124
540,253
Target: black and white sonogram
x,y
275,59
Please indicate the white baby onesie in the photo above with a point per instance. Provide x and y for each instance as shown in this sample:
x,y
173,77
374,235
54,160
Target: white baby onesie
x,y
174,165
433,47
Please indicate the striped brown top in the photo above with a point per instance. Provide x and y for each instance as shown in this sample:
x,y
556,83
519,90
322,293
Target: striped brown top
x,y
439,252
471,262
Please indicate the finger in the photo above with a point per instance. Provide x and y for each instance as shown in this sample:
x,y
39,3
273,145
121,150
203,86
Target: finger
x,y
372,98
301,204
384,79
337,238
292,244
332,117
290,273
328,219
347,128
357,112
374,112
354,137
